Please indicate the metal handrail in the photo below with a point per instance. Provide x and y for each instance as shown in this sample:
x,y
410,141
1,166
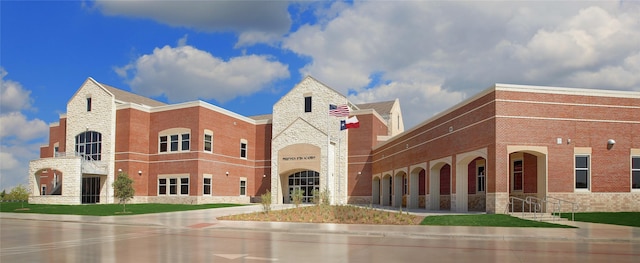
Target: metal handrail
x,y
559,203
529,202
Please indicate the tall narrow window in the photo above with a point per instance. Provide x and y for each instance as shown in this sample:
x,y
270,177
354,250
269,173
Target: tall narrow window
x,y
307,104
243,187
243,149
184,186
582,171
162,186
207,186
405,185
518,173
89,104
635,172
481,179
173,186
174,143
163,144
208,143
185,142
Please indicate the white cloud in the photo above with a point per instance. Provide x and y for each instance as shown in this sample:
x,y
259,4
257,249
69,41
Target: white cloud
x,y
185,73
432,54
20,137
268,17
12,96
16,125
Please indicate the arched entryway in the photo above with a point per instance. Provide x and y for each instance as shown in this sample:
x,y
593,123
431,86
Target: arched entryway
x,y
305,181
386,190
375,190
440,185
417,188
400,189
527,172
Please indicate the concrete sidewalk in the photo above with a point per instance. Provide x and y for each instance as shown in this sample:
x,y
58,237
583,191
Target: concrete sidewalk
x,y
203,219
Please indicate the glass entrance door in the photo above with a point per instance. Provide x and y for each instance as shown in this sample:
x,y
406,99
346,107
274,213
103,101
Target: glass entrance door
x,y
305,181
90,190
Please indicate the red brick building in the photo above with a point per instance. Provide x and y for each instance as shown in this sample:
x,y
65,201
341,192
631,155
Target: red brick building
x,y
509,142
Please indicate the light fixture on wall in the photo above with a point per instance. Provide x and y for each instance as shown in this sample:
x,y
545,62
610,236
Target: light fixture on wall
x,y
119,170
610,144
227,173
140,173
264,176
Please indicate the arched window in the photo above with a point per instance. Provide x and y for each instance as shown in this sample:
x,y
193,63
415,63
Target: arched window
x,y
89,145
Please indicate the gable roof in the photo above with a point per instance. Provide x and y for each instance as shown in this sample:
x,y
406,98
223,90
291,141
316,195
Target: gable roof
x,y
128,97
382,108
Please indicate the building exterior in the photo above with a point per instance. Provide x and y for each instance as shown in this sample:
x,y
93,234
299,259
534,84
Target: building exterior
x,y
507,143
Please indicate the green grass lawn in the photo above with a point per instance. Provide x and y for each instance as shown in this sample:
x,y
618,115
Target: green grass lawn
x,y
614,218
104,209
485,220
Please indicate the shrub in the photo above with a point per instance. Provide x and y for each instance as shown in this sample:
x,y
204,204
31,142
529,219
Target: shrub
x,y
265,200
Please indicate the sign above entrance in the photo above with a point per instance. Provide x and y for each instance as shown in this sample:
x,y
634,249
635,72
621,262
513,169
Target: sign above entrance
x,y
299,158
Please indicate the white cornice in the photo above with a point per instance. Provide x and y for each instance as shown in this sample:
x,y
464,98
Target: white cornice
x,y
568,91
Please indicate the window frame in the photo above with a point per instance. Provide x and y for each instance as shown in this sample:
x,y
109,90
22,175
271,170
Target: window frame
x,y
513,175
244,149
89,106
308,103
243,187
183,185
205,184
587,169
636,170
162,185
176,140
481,179
210,142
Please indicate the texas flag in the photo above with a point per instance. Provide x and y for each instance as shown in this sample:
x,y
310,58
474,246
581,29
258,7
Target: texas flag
x,y
349,123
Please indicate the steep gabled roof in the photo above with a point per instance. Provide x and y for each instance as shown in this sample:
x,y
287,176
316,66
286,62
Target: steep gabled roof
x,y
128,97
382,108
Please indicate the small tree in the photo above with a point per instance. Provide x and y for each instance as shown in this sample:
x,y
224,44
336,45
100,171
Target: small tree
x,y
18,193
123,187
265,200
297,196
3,194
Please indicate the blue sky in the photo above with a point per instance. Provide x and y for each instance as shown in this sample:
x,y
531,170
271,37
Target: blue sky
x,y
244,55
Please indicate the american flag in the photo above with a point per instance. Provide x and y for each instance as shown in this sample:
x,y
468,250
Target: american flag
x,y
338,111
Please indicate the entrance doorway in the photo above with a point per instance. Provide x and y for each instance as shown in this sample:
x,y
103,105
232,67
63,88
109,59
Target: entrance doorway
x,y
306,182
90,190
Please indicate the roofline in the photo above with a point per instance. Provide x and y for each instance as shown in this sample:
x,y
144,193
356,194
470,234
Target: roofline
x,y
189,104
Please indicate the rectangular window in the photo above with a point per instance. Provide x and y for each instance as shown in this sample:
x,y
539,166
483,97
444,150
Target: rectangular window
x,y
88,104
582,171
243,150
208,143
635,172
55,151
163,144
184,186
481,179
517,175
162,186
173,186
185,142
243,187
307,104
207,186
174,143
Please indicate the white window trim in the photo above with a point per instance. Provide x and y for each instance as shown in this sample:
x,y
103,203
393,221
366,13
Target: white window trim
x,y
246,149
513,177
178,178
175,132
246,186
210,177
204,140
635,153
589,182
